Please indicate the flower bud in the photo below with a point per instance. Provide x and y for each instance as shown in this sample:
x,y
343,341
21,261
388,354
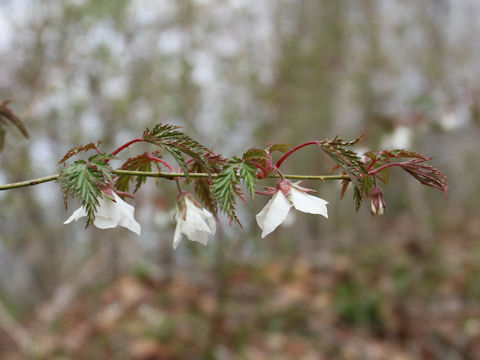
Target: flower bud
x,y
377,205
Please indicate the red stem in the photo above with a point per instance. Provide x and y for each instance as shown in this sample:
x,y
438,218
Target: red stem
x,y
263,173
279,173
288,153
163,162
124,146
260,192
371,164
375,171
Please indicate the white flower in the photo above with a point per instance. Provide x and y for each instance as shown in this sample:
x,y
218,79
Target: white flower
x,y
193,221
110,214
286,196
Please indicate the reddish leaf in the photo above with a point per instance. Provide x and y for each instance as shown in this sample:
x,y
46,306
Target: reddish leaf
x,y
76,149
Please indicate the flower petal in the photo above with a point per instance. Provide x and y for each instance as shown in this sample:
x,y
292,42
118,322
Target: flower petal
x,y
195,218
198,236
77,214
110,214
274,213
127,219
196,226
178,232
308,203
102,222
131,224
109,211
212,224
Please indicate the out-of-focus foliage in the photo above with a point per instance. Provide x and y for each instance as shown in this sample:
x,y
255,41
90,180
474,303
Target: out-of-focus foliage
x,y
8,116
237,75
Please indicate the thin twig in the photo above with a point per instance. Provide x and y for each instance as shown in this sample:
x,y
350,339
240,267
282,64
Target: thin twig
x,y
29,182
168,176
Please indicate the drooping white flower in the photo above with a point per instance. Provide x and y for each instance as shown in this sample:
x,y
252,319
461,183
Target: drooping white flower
x,y
195,222
286,196
110,213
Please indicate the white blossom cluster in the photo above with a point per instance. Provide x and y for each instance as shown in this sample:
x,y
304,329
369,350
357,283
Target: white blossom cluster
x,y
197,223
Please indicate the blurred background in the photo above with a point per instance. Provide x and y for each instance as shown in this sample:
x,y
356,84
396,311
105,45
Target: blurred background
x,y
237,74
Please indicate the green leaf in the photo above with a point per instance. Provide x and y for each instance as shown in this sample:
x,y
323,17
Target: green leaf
x,y
177,155
203,186
171,139
202,189
248,172
100,162
357,197
255,154
349,162
225,186
83,180
142,162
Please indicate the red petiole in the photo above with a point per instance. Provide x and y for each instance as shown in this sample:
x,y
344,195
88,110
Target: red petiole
x,y
377,170
161,161
126,145
288,153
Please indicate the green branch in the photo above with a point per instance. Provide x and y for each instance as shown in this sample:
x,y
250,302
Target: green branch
x,y
29,182
167,176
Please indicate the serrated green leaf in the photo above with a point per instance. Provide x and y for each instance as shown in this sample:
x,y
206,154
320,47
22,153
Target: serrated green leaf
x,y
173,140
255,154
357,197
224,188
248,172
140,162
203,186
177,155
83,180
257,157
202,189
348,161
368,183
